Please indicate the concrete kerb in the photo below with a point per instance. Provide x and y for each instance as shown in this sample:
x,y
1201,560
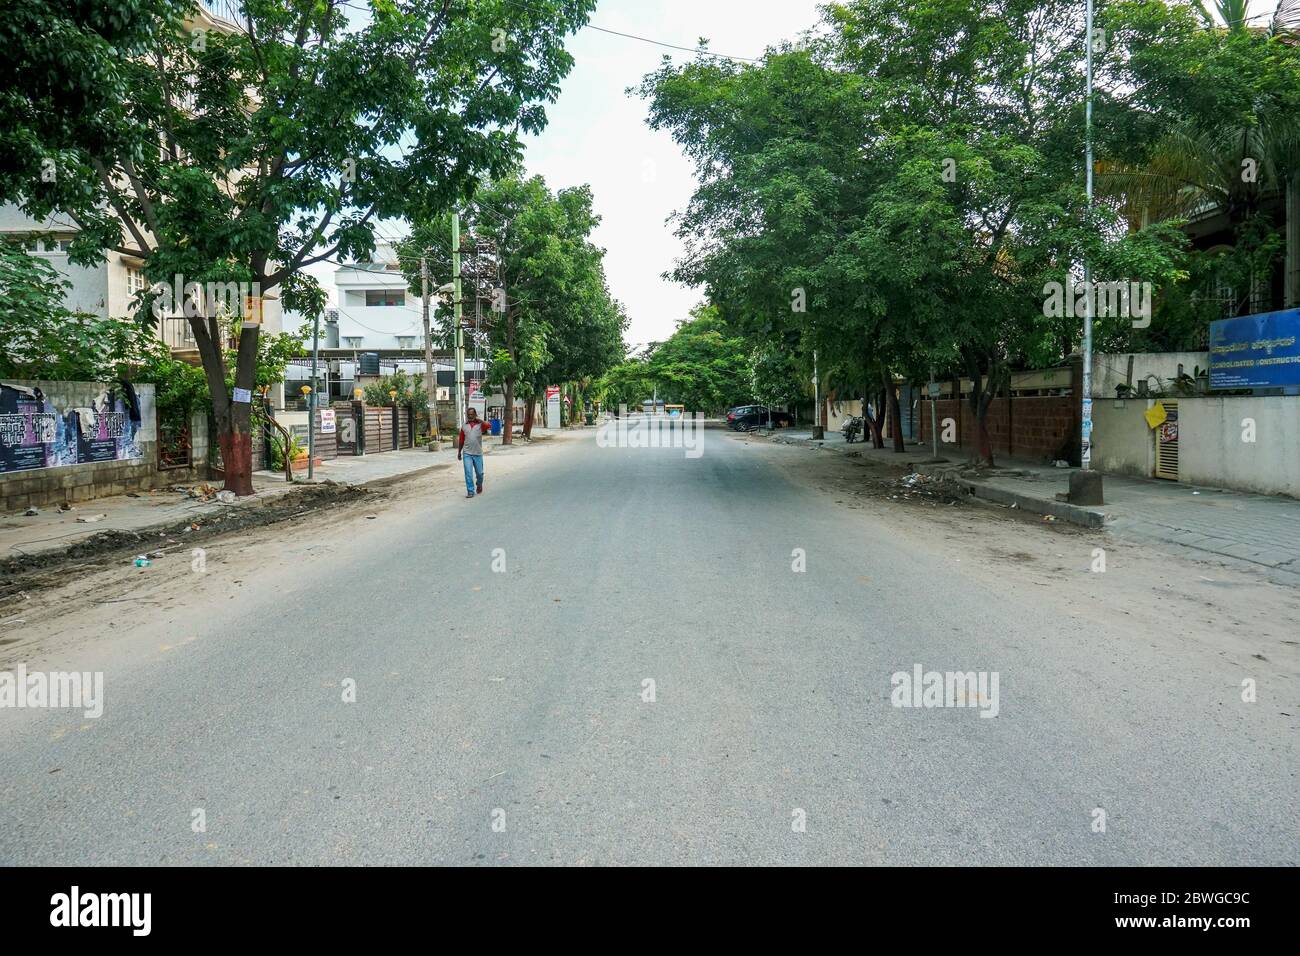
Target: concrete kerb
x,y
1032,504
400,477
1074,514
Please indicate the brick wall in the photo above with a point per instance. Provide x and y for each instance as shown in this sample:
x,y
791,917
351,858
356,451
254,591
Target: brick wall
x,y
1032,427
35,487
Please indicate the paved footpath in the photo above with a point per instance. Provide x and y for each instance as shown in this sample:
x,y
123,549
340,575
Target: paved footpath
x,y
1235,528
51,529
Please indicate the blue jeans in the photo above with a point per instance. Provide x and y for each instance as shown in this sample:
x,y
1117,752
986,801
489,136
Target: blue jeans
x,y
473,471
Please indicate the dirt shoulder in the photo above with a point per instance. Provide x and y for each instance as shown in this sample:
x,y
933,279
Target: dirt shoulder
x,y
1117,586
75,595
107,548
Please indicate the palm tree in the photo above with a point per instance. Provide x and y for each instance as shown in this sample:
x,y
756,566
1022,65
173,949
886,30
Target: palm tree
x,y
1193,169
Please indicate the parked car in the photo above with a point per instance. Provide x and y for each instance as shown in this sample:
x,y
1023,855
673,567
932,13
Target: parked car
x,y
744,418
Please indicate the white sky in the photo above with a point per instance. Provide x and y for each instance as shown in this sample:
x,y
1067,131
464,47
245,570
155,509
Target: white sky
x,y
597,134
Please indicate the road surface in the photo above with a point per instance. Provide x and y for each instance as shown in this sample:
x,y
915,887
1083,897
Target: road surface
x,y
502,715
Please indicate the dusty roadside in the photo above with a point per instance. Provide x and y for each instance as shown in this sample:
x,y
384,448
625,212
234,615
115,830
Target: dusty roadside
x,y
71,594
1121,587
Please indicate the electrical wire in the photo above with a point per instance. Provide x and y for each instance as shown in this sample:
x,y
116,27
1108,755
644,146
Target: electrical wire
x,y
701,51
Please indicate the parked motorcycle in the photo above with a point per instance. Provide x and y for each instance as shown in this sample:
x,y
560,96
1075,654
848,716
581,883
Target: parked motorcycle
x,y
852,428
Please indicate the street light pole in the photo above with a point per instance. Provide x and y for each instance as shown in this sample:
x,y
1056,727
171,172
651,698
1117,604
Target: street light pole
x,y
311,398
1085,413
430,382
460,340
818,432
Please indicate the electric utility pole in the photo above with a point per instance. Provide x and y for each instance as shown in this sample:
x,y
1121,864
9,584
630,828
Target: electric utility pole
x,y
430,382
460,332
311,399
818,431
1085,416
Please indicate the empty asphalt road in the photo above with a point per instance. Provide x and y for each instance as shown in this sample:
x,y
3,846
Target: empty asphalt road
x,y
630,656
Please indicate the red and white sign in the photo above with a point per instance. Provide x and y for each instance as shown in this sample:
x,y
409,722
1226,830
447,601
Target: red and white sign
x,y
552,392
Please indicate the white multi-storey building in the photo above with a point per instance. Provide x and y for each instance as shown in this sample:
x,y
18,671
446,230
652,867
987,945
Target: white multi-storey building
x,y
376,312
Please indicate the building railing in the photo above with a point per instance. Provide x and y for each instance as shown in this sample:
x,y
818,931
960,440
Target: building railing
x,y
177,333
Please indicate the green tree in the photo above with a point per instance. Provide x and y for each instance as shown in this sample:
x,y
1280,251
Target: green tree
x,y
43,339
347,123
66,69
1208,118
550,315
703,365
775,377
897,194
409,388
626,384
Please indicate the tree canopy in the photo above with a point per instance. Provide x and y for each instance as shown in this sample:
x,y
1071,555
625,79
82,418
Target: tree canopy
x,y
245,152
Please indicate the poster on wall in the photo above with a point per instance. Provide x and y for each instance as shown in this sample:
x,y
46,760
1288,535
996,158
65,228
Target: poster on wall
x,y
37,432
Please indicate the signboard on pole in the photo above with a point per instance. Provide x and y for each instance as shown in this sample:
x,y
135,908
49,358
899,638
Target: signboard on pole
x,y
328,423
1256,351
552,406
477,400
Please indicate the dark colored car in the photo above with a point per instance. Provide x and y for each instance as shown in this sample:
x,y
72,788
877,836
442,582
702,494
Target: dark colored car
x,y
744,418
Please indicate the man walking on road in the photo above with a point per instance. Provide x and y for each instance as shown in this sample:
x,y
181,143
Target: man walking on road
x,y
469,448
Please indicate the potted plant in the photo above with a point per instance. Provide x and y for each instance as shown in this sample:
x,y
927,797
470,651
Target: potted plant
x,y
296,453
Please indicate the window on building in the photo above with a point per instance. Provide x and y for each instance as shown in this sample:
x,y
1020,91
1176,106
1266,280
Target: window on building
x,y
385,297
135,281
352,341
406,341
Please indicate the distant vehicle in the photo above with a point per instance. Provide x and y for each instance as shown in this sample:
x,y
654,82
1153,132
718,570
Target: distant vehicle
x,y
745,418
674,411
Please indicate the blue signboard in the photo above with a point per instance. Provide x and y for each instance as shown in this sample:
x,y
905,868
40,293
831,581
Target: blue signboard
x,y
1256,351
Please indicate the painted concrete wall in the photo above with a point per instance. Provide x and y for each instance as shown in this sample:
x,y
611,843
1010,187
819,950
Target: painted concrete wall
x,y
838,412
1212,450
1122,441
87,480
1110,370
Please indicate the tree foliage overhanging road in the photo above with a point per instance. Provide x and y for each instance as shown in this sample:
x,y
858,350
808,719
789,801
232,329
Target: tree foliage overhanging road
x,y
896,191
348,122
538,282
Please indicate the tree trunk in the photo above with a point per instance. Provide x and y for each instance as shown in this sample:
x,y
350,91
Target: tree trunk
x,y
874,421
239,469
891,408
984,445
233,419
1292,267
529,411
983,389
508,426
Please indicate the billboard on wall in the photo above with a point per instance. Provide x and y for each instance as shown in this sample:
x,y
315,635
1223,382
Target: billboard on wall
x,y
38,432
1256,351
